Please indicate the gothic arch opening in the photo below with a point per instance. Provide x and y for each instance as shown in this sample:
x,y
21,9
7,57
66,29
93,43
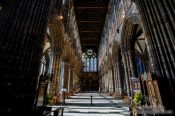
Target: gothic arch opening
x,y
49,76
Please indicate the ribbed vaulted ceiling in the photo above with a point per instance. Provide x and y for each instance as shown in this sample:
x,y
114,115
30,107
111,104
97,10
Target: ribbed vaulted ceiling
x,y
90,15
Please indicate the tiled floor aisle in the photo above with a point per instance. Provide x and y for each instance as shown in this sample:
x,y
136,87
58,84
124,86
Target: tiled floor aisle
x,y
103,105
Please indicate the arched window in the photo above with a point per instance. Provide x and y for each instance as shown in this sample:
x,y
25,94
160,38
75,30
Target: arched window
x,y
89,59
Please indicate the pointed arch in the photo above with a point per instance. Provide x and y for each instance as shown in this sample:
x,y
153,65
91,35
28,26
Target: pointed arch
x,y
130,24
57,31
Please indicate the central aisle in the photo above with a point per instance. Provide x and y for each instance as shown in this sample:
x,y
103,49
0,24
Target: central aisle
x,y
103,105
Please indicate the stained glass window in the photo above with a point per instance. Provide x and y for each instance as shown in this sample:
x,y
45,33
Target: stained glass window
x,y
89,59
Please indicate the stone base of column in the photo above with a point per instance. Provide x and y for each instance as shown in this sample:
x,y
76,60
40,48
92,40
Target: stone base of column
x,y
70,93
110,93
117,95
56,100
78,90
126,99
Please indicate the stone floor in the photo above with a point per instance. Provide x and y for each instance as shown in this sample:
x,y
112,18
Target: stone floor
x,y
102,105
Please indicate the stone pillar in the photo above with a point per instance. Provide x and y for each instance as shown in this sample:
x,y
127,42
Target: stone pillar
x,y
129,74
131,70
101,80
117,77
118,80
131,63
22,29
122,77
71,80
75,80
55,82
66,75
106,81
158,22
113,78
124,57
110,82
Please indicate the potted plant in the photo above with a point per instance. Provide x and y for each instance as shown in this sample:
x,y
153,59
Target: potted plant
x,y
139,98
49,99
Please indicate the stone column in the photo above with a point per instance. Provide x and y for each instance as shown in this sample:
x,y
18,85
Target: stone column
x,y
102,80
113,78
55,76
102,84
121,76
110,82
75,80
66,75
106,81
159,26
131,63
69,78
71,81
124,57
131,70
22,28
129,73
118,80
117,77
61,76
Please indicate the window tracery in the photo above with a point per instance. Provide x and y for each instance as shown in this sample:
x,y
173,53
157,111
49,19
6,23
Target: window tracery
x,y
90,61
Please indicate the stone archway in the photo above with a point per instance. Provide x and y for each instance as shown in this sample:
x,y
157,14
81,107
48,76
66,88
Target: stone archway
x,y
55,35
117,65
130,31
136,59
